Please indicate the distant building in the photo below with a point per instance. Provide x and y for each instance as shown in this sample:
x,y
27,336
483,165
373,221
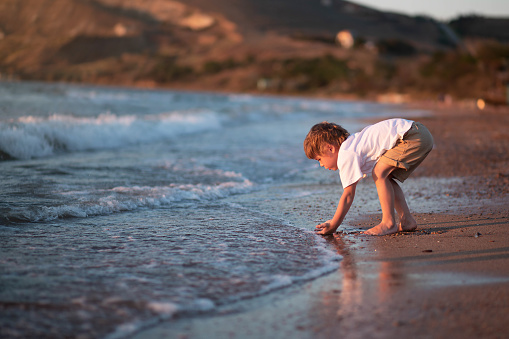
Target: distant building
x,y
197,21
345,39
120,30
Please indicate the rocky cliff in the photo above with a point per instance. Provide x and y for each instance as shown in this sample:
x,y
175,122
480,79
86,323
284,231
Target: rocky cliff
x,y
229,44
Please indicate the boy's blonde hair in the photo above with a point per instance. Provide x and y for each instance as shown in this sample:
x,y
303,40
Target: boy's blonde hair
x,y
321,134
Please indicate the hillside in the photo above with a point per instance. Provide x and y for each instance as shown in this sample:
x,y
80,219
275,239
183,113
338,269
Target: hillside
x,y
225,44
482,28
325,18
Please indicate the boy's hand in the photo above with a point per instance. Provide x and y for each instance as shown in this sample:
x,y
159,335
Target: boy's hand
x,y
325,228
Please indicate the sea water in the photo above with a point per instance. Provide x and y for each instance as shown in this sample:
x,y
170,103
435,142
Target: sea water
x,y
121,207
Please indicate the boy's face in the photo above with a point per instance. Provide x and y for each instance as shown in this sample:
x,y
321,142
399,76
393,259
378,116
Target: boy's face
x,y
329,158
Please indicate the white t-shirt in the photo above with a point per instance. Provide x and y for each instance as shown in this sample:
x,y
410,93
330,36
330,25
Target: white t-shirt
x,y
360,152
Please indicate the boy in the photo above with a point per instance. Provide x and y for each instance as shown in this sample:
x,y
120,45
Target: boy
x,y
390,149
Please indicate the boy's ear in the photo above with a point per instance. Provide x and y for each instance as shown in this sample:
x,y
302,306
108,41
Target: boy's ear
x,y
330,148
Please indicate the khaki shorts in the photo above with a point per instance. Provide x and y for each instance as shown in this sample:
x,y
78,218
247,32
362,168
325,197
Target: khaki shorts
x,y
409,152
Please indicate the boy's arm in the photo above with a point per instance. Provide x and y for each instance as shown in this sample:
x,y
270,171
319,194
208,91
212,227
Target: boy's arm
x,y
346,200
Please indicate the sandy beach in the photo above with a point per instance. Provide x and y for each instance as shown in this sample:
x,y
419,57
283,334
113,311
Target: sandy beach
x,y
448,279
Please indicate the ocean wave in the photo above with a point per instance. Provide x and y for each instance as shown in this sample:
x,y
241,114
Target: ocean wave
x,y
35,137
84,204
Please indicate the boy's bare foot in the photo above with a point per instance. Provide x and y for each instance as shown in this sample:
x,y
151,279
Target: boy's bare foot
x,y
407,225
382,229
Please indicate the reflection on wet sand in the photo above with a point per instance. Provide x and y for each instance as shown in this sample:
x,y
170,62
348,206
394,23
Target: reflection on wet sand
x,y
380,293
363,301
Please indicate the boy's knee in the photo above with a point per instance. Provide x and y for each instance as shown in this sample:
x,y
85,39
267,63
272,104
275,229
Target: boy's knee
x,y
382,171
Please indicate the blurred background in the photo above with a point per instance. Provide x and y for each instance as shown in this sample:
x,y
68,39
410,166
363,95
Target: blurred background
x,y
379,50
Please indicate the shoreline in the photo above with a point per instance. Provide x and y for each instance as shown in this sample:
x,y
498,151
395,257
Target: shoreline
x,y
449,278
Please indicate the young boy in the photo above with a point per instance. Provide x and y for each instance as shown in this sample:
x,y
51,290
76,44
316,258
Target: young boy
x,y
390,149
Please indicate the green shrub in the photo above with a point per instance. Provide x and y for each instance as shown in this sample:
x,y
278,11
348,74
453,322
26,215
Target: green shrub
x,y
319,72
167,70
395,47
213,67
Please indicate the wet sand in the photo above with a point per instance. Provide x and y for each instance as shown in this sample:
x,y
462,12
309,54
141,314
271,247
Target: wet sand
x,y
448,279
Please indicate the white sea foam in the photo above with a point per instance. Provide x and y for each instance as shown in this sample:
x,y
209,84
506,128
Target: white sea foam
x,y
165,308
104,202
328,263
34,137
202,305
268,282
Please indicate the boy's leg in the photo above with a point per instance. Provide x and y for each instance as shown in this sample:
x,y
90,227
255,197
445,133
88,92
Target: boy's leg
x,y
406,220
399,162
386,194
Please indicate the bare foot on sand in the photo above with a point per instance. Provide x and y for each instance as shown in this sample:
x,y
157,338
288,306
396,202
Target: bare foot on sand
x,y
382,229
407,224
